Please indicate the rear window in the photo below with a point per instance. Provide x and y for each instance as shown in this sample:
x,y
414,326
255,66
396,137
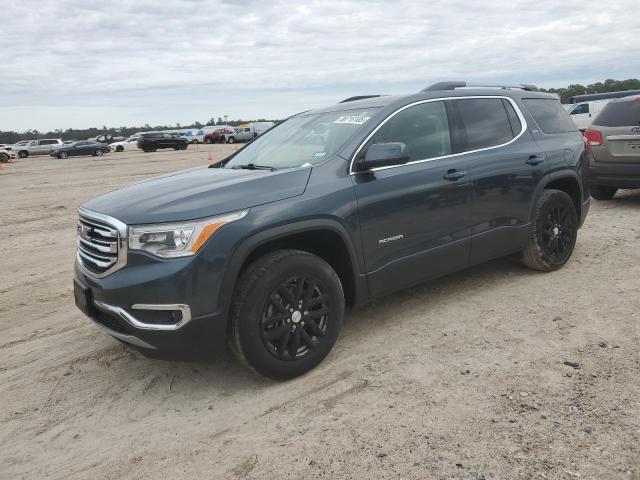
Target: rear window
x,y
550,115
619,114
486,122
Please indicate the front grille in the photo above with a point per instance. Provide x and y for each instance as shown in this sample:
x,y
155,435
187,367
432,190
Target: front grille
x,y
97,245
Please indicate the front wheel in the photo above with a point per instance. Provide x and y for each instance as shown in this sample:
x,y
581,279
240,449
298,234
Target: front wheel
x,y
99,153
119,148
63,155
287,313
231,140
554,232
600,192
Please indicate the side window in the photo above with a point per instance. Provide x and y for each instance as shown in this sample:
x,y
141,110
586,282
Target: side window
x,y
582,108
550,115
423,128
514,120
485,122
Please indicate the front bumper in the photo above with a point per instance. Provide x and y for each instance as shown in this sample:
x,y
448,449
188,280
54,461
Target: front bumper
x,y
166,305
620,175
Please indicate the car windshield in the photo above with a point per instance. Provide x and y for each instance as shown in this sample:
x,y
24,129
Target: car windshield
x,y
302,140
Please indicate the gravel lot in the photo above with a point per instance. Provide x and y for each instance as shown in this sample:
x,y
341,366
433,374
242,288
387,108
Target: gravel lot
x,y
461,378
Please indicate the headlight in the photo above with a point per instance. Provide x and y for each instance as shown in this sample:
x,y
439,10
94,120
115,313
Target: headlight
x,y
170,240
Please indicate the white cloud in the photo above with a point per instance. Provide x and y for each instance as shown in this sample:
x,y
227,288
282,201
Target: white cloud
x,y
127,62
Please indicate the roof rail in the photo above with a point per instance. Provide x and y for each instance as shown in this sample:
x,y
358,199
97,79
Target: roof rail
x,y
359,97
461,84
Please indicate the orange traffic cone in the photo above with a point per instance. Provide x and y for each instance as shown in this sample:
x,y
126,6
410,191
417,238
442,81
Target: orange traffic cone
x,y
210,157
10,160
1,167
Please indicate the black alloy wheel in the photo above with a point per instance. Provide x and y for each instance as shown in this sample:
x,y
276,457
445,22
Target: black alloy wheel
x,y
554,233
558,232
294,318
287,313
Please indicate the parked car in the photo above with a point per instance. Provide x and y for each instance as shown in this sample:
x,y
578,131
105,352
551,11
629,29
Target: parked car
x,y
130,143
152,141
16,146
219,135
583,113
614,138
106,138
245,134
6,156
82,147
190,135
37,147
331,208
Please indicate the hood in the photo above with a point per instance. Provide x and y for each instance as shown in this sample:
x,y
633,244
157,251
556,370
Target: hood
x,y
199,192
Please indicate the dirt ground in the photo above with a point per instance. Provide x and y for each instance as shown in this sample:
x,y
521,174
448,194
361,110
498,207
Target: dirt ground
x,y
461,378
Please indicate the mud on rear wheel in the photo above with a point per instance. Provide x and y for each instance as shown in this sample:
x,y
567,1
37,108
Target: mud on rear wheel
x,y
554,232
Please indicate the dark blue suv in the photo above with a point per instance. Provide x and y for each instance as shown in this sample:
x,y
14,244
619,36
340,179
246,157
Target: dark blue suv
x,y
332,208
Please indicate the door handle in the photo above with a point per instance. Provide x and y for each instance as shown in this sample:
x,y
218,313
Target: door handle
x,y
454,175
534,160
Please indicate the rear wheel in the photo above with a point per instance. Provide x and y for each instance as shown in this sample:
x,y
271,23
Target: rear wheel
x,y
99,153
119,148
23,154
184,146
4,157
63,155
287,313
554,232
231,140
600,192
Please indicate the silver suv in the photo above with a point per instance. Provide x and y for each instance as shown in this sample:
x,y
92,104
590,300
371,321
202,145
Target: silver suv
x,y
38,147
614,137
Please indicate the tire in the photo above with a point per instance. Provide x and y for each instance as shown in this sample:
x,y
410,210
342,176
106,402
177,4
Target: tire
x,y
63,155
266,290
231,140
4,158
195,140
600,192
207,140
184,146
176,147
119,148
98,153
23,154
554,233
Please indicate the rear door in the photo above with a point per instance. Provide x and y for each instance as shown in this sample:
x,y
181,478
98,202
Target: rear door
x,y
505,165
414,221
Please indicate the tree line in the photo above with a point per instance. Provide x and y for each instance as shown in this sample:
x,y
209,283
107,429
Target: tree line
x,y
565,93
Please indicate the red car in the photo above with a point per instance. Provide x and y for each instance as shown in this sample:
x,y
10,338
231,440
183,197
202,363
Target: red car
x,y
218,136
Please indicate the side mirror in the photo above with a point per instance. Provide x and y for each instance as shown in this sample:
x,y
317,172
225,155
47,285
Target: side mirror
x,y
384,155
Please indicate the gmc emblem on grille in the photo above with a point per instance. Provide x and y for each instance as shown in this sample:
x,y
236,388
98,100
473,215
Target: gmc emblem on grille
x,y
84,231
635,130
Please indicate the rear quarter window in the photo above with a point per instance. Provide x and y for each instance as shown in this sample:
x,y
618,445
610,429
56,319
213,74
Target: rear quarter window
x,y
619,114
549,115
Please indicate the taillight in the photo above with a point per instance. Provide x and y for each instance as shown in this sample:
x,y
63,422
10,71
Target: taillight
x,y
593,137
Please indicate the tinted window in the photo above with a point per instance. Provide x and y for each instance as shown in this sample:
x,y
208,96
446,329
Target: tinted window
x,y
619,114
423,128
514,120
550,115
582,108
485,121
48,142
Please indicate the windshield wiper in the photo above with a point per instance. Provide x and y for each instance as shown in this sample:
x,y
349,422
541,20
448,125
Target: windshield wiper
x,y
253,166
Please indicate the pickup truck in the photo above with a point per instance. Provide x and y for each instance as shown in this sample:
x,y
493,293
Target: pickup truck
x,y
38,147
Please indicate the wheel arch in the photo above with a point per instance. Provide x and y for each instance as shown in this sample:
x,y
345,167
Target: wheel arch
x,y
325,238
567,181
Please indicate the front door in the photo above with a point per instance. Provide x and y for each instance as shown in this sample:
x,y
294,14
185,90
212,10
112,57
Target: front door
x,y
414,218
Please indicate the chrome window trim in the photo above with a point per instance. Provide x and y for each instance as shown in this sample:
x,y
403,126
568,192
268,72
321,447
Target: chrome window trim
x,y
122,229
523,124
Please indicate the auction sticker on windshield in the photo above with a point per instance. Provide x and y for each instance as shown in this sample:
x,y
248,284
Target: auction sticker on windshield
x,y
353,119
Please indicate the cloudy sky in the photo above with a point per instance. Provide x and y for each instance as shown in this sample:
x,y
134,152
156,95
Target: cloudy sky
x,y
81,63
